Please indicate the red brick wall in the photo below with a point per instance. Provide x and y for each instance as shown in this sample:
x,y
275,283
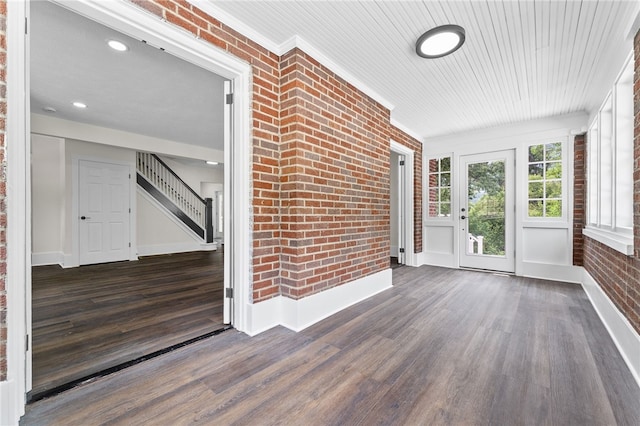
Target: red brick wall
x,y
3,208
320,166
619,275
335,179
579,197
402,138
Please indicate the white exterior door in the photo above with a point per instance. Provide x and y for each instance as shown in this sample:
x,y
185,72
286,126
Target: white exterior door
x,y
487,210
104,212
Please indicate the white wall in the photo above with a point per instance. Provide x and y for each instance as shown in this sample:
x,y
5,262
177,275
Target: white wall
x,y
194,175
52,169
48,198
543,246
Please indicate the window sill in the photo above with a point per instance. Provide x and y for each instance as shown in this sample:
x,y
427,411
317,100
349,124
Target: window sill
x,y
618,242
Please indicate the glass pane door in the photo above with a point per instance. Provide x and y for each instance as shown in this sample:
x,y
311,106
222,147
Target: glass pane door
x,y
486,216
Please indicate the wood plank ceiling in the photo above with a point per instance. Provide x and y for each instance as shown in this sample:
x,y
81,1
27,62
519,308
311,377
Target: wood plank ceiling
x,y
522,60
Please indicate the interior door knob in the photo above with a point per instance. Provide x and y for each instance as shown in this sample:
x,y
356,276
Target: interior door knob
x,y
84,217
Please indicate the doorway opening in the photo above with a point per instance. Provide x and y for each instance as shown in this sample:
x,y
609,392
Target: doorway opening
x,y
111,310
401,206
487,210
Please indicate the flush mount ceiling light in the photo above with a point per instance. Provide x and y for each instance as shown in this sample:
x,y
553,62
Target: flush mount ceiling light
x,y
117,45
80,105
440,41
213,163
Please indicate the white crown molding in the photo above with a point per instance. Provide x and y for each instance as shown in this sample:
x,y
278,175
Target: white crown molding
x,y
635,25
308,48
208,7
280,49
408,131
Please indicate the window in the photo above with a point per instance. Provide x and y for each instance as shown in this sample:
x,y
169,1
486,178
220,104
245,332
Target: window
x,y
439,187
610,167
545,180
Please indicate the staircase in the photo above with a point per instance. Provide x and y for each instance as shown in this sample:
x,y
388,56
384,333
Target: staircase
x,y
166,187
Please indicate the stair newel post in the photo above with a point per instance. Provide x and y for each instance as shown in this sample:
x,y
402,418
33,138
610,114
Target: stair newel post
x,y
208,214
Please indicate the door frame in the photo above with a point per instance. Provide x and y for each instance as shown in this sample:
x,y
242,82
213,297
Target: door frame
x,y
134,21
510,261
411,259
75,200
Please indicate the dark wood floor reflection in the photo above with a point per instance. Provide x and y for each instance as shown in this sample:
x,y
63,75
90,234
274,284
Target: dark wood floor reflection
x,y
442,347
94,317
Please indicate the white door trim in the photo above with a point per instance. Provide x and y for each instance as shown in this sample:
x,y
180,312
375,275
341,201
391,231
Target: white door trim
x,y
75,199
18,293
132,20
508,263
411,259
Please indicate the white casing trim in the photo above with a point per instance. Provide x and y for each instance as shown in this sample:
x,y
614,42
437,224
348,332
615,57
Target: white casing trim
x,y
624,336
410,256
17,146
302,313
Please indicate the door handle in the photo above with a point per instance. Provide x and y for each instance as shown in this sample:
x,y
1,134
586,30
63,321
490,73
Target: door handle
x,y
84,217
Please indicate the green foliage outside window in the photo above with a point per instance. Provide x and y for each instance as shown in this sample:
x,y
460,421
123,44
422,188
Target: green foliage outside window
x,y
486,205
545,180
440,187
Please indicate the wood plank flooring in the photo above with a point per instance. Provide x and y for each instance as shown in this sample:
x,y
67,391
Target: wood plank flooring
x,y
442,347
94,317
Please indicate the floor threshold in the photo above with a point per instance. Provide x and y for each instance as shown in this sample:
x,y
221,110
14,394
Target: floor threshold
x,y
95,376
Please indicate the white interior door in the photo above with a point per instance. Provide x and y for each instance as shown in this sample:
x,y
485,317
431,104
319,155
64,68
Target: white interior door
x,y
401,231
104,212
487,210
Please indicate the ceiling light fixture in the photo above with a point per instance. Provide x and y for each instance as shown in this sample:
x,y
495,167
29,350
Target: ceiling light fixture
x,y
79,104
213,163
117,45
440,41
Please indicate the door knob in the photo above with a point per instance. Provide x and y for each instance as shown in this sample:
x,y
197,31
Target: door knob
x,y
84,217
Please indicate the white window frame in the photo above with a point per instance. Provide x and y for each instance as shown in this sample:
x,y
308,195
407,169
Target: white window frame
x,y
563,181
427,187
619,238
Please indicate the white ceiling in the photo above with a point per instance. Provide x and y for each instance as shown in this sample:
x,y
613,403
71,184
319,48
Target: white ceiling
x,y
522,60
144,90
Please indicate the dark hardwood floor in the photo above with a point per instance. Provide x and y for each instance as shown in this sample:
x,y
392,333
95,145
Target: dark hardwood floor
x,y
442,346
95,317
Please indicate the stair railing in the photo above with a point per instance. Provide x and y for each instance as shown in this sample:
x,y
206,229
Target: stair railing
x,y
165,180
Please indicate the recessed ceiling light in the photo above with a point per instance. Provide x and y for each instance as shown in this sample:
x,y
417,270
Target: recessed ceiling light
x,y
79,105
440,41
117,45
49,109
213,163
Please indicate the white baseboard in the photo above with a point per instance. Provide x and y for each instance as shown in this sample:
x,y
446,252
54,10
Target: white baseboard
x,y
152,250
11,409
624,336
300,314
47,258
546,271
